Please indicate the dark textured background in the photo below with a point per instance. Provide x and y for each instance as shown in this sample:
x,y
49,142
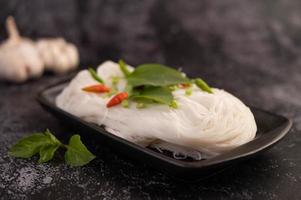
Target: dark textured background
x,y
250,48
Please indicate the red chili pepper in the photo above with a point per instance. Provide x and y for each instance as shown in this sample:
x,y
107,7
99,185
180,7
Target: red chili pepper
x,y
184,85
117,99
99,88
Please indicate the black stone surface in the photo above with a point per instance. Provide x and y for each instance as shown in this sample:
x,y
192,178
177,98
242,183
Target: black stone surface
x,y
250,48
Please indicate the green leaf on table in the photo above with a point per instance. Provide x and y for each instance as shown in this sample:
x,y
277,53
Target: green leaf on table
x,y
123,68
29,146
155,94
95,75
46,144
155,75
47,152
52,138
77,153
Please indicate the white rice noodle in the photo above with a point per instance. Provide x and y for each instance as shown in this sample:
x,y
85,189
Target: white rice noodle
x,y
181,152
210,123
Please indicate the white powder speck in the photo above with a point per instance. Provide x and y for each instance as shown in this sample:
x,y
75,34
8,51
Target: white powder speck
x,y
26,178
47,180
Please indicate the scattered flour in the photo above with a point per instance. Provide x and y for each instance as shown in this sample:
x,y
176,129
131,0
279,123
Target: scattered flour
x,y
23,176
27,177
47,180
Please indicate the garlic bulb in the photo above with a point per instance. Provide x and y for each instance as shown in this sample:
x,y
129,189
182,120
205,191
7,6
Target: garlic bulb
x,y
58,55
19,58
22,58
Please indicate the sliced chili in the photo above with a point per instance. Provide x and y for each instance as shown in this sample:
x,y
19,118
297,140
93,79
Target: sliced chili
x,y
99,88
184,85
117,99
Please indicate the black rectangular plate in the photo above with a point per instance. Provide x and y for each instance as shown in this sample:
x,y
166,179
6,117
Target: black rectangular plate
x,y
271,129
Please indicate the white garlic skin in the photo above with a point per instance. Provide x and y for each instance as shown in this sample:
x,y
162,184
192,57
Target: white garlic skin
x,y
16,72
22,59
19,58
58,55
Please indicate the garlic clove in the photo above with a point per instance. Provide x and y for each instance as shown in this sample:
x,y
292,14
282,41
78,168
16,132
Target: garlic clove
x,y
19,57
31,58
45,53
58,55
17,71
73,55
62,65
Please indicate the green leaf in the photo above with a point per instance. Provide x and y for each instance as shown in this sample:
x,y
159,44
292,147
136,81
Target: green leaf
x,y
29,146
155,75
52,138
156,94
203,85
174,104
115,80
129,89
77,153
47,152
46,144
95,75
125,103
141,105
188,92
123,68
